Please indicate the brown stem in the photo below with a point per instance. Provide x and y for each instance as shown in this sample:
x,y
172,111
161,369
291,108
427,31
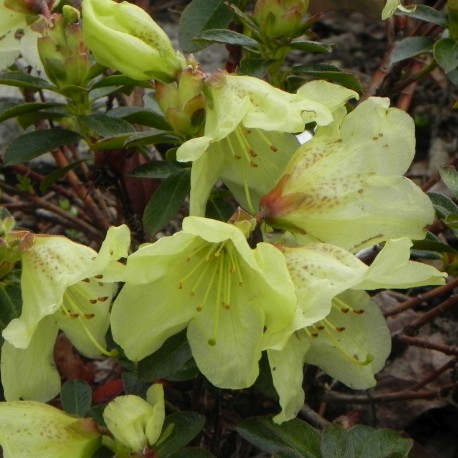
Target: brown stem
x,y
313,417
405,98
333,396
81,190
434,375
77,223
420,298
413,327
416,342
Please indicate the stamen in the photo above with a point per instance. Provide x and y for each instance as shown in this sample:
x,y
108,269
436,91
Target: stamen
x,y
75,312
199,308
212,340
329,328
343,307
227,283
272,147
245,148
235,266
203,260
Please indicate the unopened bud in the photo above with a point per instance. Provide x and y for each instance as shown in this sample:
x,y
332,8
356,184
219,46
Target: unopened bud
x,y
62,50
183,102
124,37
280,18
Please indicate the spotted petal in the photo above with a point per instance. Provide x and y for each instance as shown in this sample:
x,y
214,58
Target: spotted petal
x,y
352,345
33,430
344,186
52,264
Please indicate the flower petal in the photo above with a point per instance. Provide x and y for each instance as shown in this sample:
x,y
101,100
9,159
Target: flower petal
x,y
135,422
232,335
287,368
33,430
352,347
86,328
31,373
319,272
143,317
392,268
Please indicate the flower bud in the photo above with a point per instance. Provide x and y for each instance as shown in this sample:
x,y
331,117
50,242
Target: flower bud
x,y
183,102
280,18
124,37
62,51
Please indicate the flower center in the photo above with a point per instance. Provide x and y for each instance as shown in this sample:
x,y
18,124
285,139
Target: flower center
x,y
214,273
240,143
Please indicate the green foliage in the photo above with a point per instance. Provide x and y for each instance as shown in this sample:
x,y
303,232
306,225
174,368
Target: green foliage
x,y
166,201
33,144
179,429
297,439
76,397
199,16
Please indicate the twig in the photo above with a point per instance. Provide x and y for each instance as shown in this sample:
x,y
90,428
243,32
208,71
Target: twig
x,y
413,327
77,223
80,189
333,396
412,302
313,417
444,368
416,342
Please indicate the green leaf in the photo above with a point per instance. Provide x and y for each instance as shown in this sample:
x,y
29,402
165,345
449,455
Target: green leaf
x,y
225,36
76,397
151,137
329,73
337,443
219,206
155,169
10,109
10,300
294,438
444,205
33,144
111,142
133,385
166,202
100,125
141,116
311,46
50,179
449,176
24,80
103,91
432,243
425,13
446,54
198,16
49,114
179,429
411,47
170,358
379,443
255,66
